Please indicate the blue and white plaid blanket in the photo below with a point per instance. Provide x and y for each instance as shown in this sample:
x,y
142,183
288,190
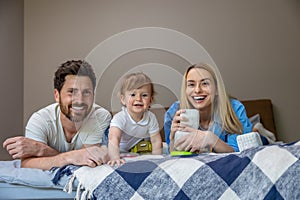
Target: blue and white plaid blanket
x,y
265,172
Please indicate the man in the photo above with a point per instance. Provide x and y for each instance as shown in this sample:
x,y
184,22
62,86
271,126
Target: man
x,y
69,131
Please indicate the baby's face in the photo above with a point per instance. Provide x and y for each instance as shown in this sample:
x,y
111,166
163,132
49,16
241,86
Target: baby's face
x,y
138,100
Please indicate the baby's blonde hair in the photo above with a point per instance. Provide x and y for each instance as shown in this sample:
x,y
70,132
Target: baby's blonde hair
x,y
134,81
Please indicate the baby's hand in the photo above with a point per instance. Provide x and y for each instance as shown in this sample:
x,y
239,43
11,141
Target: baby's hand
x,y
117,162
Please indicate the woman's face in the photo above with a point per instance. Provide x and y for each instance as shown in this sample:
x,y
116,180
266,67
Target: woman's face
x,y
200,88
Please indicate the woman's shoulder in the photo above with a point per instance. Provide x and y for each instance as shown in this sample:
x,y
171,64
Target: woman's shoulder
x,y
237,106
235,103
175,106
172,110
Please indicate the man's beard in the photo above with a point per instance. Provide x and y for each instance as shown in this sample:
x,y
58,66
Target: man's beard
x,y
74,117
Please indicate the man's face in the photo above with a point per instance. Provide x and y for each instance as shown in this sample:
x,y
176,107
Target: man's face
x,y
76,97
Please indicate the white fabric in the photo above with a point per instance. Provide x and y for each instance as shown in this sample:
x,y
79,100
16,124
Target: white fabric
x,y
133,132
88,178
264,132
45,126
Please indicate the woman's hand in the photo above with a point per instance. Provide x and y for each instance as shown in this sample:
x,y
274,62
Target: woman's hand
x,y
176,125
201,141
196,140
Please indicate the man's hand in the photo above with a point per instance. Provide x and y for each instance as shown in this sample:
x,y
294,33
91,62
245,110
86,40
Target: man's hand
x,y
21,147
91,156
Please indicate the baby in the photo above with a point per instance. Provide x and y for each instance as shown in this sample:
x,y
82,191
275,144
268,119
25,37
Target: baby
x,y
135,122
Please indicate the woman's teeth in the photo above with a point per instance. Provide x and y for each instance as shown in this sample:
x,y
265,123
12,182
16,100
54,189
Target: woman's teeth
x,y
199,98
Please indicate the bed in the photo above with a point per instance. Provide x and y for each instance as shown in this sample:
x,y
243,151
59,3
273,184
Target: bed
x,y
151,177
21,183
264,172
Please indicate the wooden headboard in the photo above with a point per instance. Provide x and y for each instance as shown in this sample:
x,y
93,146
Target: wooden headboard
x,y
263,107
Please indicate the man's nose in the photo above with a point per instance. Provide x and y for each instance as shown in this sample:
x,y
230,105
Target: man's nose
x,y
78,96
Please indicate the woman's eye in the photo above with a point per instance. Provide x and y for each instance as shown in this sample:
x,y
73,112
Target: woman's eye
x,y
190,84
205,83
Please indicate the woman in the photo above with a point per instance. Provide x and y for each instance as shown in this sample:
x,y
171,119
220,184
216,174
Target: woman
x,y
221,118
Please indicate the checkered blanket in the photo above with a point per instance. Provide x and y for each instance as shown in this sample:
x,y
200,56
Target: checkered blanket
x,y
265,172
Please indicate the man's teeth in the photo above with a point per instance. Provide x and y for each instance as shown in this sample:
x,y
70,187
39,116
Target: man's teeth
x,y
78,108
199,98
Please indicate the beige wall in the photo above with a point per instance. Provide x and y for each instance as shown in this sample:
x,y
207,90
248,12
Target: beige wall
x,y
11,75
255,44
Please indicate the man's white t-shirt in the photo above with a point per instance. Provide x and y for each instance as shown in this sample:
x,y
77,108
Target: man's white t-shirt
x,y
133,132
45,126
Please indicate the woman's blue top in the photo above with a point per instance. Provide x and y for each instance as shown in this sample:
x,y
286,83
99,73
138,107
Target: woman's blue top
x,y
216,127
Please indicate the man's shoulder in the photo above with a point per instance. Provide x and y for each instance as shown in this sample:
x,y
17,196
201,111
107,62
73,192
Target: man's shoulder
x,y
100,111
98,108
50,110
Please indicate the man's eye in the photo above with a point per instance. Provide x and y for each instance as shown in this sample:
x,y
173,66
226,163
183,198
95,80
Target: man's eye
x,y
74,92
87,93
70,91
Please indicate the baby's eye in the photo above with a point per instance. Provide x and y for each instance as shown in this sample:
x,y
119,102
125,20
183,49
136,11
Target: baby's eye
x,y
132,95
145,95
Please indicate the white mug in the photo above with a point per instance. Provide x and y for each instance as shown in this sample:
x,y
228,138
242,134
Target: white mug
x,y
193,121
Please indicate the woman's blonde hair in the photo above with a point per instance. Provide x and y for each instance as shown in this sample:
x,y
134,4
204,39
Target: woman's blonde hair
x,y
221,105
134,81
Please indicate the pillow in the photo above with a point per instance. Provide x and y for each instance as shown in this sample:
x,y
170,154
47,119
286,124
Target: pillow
x,y
255,119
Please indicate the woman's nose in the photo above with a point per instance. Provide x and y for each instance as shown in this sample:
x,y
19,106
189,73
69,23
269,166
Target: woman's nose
x,y
198,88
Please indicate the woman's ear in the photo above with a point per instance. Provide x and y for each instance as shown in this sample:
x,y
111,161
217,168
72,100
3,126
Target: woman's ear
x,y
56,95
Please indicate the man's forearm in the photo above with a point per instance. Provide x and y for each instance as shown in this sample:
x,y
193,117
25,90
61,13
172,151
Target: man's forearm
x,y
90,156
45,151
46,163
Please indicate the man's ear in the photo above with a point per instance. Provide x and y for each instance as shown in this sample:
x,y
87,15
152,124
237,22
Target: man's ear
x,y
56,95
